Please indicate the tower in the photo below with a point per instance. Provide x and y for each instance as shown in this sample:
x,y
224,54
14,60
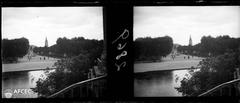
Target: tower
x,y
190,41
46,42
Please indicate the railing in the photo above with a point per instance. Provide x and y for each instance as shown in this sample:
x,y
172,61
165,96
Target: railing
x,y
231,88
95,87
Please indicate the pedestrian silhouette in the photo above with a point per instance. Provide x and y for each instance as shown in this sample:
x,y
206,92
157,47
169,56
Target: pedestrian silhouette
x,y
44,58
188,57
40,58
184,57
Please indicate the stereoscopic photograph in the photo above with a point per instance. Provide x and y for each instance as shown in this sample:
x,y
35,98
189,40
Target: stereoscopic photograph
x,y
52,52
119,50
186,51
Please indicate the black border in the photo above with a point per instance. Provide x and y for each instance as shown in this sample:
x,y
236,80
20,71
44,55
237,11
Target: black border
x,y
57,3
121,6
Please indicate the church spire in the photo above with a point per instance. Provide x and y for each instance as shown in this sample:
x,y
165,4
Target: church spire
x,y
190,41
46,42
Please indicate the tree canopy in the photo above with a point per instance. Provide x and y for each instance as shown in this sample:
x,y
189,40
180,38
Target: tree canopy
x,y
152,48
15,48
213,71
210,45
67,72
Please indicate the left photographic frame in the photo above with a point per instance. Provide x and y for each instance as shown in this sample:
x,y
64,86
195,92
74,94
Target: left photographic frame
x,y
53,52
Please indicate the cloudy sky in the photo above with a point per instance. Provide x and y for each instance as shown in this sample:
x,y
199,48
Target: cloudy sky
x,y
180,22
37,23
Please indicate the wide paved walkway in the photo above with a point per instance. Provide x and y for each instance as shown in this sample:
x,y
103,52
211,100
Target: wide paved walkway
x,y
168,64
25,65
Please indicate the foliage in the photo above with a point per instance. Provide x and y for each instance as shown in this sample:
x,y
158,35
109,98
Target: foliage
x,y
219,45
67,72
81,55
13,49
214,46
152,48
72,47
213,71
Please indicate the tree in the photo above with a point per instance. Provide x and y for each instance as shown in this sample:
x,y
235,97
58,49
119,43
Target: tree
x,y
13,49
213,71
219,45
67,72
152,48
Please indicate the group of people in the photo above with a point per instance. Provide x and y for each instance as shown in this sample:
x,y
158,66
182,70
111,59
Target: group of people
x,y
188,57
29,57
185,57
173,56
44,58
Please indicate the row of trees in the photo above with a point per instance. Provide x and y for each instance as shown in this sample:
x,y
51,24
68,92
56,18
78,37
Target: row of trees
x,y
214,70
65,47
13,49
211,46
152,48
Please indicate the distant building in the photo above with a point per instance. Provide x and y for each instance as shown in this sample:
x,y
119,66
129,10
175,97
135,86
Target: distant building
x,y
46,42
190,41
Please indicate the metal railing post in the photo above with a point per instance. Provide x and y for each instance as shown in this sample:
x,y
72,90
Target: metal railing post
x,y
72,94
221,89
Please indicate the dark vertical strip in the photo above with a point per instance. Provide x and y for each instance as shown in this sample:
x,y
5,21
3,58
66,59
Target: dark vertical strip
x,y
118,31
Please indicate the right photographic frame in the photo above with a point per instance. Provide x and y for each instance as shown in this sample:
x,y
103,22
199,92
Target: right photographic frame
x,y
186,51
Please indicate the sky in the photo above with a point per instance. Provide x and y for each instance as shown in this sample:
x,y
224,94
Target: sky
x,y
37,23
181,22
